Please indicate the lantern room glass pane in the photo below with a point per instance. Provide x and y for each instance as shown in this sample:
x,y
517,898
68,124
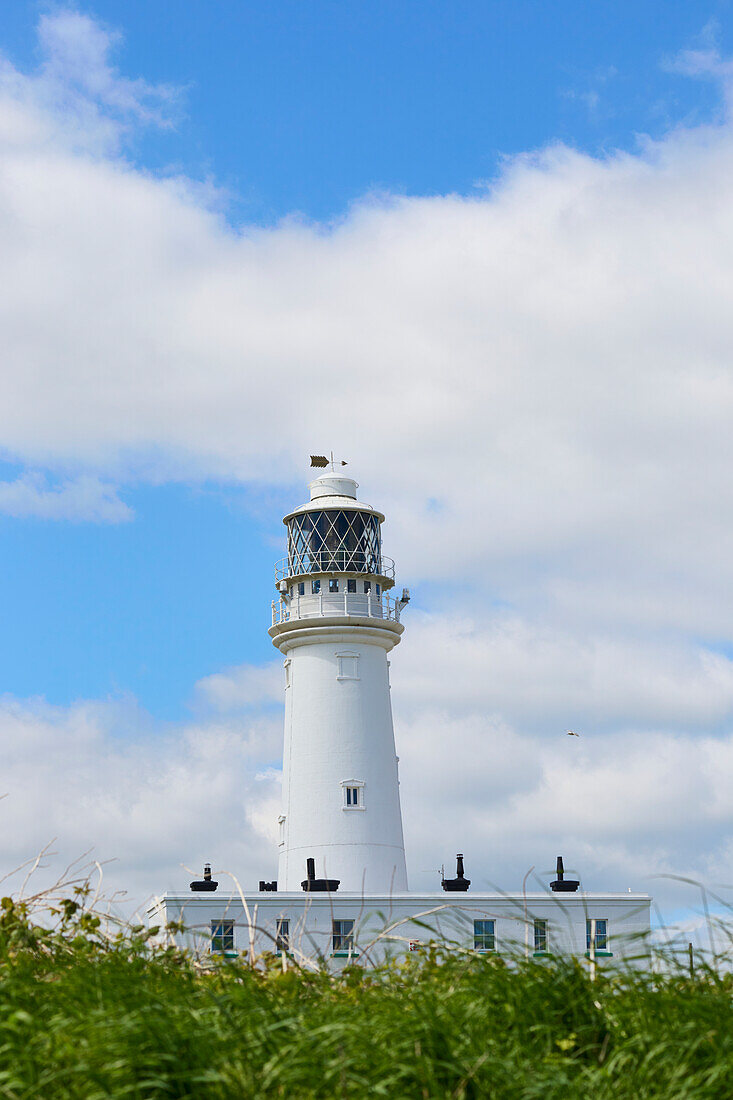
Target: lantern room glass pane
x,y
334,541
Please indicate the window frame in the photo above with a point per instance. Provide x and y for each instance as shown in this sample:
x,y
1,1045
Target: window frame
x,y
315,586
348,785
342,941
282,935
342,667
222,941
481,936
333,584
287,665
540,925
599,950
351,585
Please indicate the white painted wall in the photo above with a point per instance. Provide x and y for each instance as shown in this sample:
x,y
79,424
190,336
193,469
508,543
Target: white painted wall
x,y
339,729
449,919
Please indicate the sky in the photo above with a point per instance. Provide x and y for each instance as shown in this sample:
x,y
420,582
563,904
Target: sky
x,y
483,252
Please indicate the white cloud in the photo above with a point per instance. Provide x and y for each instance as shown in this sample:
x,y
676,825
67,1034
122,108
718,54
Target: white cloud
x,y
77,100
148,802
480,773
242,687
535,383
85,498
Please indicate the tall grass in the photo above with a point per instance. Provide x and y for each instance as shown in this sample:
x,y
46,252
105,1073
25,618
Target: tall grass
x,y
87,1011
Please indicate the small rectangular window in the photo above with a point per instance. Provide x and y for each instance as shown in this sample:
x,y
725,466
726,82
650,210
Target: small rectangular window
x,y
222,936
601,934
352,796
378,590
351,585
282,936
484,938
333,585
316,586
286,666
540,935
343,935
301,588
367,586
348,666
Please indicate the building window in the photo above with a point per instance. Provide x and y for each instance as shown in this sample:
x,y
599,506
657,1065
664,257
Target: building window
x,y
540,936
601,934
292,589
351,585
286,666
484,938
333,585
281,830
222,936
367,586
282,936
343,936
348,666
353,794
301,588
316,586
378,590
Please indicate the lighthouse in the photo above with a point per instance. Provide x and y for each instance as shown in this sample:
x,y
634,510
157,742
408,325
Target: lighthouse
x,y
335,624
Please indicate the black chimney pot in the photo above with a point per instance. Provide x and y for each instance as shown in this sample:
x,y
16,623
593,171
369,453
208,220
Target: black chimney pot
x,y
563,885
460,883
312,885
206,884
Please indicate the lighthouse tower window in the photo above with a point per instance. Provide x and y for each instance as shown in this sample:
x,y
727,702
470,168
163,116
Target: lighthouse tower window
x,y
367,587
348,666
353,794
316,586
333,584
351,585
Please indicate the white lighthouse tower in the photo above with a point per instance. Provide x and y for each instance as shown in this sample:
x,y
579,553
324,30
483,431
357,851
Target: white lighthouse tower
x,y
335,625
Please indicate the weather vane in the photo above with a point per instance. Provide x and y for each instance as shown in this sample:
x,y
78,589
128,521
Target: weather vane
x,y
322,461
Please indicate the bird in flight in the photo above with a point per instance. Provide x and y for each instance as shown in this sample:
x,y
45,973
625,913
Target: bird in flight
x,y
572,733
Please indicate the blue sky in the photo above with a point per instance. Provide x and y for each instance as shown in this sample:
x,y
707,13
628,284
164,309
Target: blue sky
x,y
297,109
483,251
304,108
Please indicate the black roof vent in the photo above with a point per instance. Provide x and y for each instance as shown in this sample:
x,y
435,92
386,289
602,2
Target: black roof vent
x,y
207,883
563,885
268,886
313,885
460,883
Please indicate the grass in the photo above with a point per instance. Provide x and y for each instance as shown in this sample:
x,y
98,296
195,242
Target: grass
x,y
93,1015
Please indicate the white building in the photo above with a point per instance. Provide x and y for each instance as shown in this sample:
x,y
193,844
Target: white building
x,y
342,886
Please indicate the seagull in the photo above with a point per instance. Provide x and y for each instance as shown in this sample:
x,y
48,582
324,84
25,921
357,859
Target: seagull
x,y
572,733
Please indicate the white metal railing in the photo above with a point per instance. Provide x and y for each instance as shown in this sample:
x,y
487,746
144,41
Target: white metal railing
x,y
330,604
334,561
